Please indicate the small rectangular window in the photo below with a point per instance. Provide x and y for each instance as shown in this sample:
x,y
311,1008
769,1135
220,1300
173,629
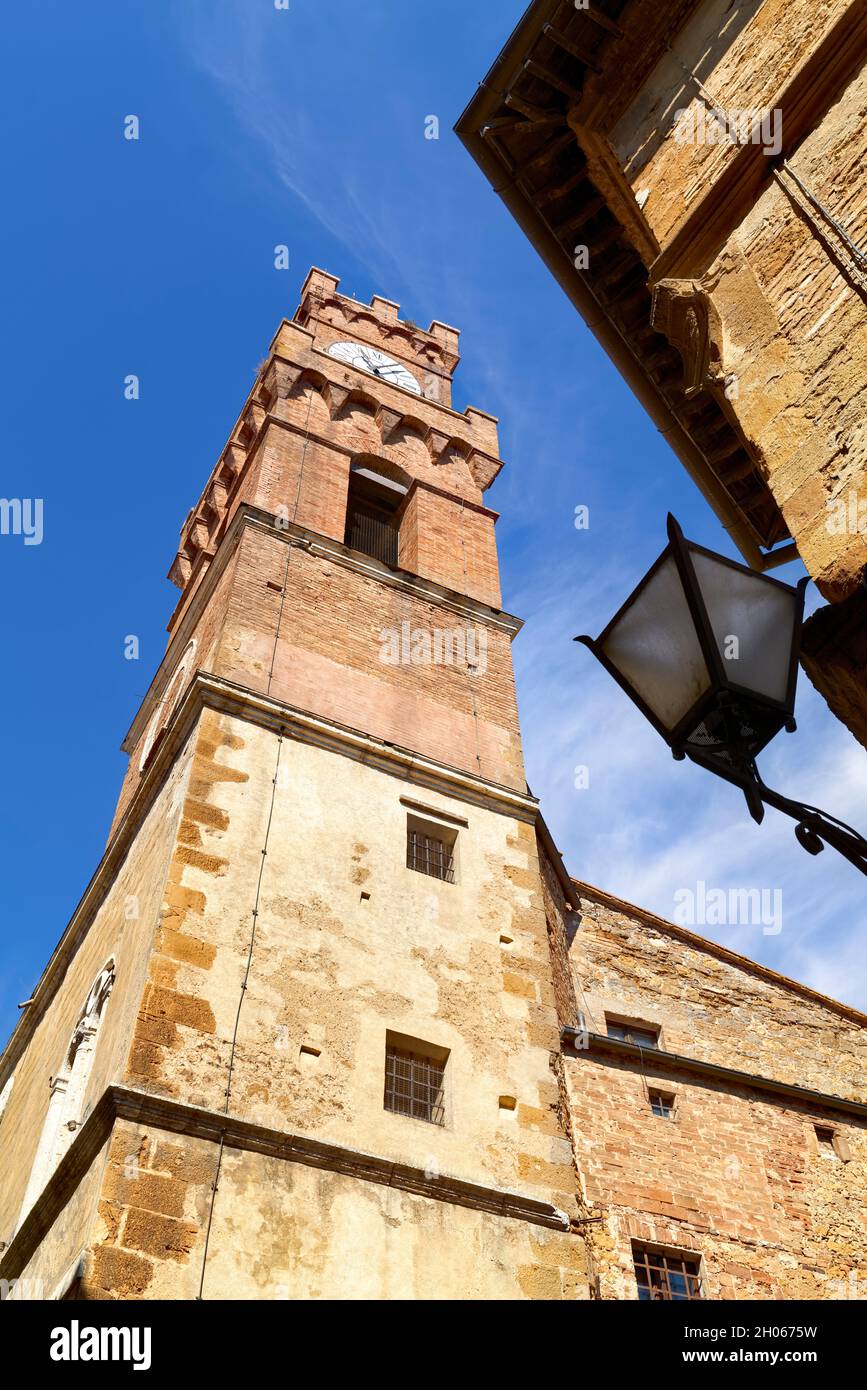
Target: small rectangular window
x,y
415,1080
825,1141
662,1104
643,1036
430,848
666,1275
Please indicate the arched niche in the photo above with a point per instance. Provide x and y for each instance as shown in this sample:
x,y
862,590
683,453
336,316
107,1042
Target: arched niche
x,y
68,1089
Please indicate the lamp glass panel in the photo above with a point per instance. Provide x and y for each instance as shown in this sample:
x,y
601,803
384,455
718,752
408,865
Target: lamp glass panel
x,y
654,646
760,614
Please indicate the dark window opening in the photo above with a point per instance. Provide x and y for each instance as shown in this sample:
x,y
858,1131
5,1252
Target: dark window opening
x,y
430,853
414,1084
629,1032
371,515
666,1276
662,1104
825,1140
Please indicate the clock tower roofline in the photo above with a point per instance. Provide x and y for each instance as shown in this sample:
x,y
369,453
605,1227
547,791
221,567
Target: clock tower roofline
x,y
431,355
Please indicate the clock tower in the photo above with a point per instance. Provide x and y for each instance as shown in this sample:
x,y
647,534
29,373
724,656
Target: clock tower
x,y
326,1057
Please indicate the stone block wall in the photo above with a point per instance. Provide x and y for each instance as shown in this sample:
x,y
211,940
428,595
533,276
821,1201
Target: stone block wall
x,y
741,1177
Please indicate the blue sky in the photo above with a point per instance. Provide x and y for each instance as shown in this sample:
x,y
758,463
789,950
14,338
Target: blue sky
x,y
306,127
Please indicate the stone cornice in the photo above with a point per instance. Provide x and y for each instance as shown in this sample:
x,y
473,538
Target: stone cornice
x,y
208,691
653,1060
175,1117
293,534
229,698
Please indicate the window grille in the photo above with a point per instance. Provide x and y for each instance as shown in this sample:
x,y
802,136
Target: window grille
x,y
371,529
414,1085
665,1277
428,854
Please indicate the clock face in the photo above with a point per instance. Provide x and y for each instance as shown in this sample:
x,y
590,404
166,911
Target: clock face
x,y
369,359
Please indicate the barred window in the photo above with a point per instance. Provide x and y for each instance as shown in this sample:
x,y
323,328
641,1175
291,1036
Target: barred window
x,y
430,849
415,1081
666,1276
373,514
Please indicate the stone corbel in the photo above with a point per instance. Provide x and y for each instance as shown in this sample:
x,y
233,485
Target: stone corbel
x,y
216,496
685,314
336,398
280,378
197,534
182,568
388,421
437,445
483,468
234,458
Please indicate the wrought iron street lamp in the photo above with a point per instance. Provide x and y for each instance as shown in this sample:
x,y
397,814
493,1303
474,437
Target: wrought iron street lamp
x,y
708,651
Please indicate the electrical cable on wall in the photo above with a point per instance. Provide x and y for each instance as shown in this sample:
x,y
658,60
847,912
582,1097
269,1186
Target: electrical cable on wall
x,y
244,983
264,852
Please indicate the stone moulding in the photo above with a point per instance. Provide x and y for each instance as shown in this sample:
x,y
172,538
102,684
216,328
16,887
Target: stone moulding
x,y
673,1062
226,697
175,1117
207,691
291,533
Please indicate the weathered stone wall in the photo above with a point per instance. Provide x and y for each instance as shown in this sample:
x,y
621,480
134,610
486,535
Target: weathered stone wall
x,y
283,1230
737,1175
711,1004
788,291
795,338
348,943
744,56
787,286
332,970
122,925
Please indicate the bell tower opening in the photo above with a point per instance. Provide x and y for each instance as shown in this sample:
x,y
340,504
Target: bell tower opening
x,y
373,506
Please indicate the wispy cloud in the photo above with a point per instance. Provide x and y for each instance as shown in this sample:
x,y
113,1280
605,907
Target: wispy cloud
x,y
647,827
407,212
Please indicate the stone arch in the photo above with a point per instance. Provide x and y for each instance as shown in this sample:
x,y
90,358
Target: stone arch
x,y
68,1089
377,463
357,421
309,396
332,311
409,441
